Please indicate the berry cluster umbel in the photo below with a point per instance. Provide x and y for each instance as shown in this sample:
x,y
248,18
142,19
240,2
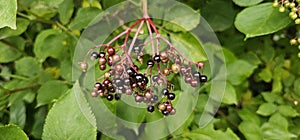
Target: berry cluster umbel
x,y
123,77
294,7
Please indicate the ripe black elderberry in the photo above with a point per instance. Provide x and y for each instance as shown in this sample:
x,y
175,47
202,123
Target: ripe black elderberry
x,y
203,78
150,108
102,54
165,112
109,97
131,72
165,92
156,58
171,96
150,63
117,96
94,55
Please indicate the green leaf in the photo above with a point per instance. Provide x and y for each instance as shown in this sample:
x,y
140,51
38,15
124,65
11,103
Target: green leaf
x,y
27,66
131,114
249,116
229,95
266,75
209,133
245,3
65,10
84,17
251,130
8,53
8,12
17,114
185,42
21,27
277,128
39,120
238,71
51,43
12,132
261,20
108,3
179,17
288,111
272,97
52,3
297,87
266,109
50,91
216,17
70,118
66,69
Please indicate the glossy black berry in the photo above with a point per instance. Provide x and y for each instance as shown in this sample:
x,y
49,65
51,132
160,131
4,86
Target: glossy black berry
x,y
150,108
112,89
171,96
165,112
102,54
94,55
117,96
203,78
139,77
145,80
150,63
156,58
130,72
109,97
165,92
98,86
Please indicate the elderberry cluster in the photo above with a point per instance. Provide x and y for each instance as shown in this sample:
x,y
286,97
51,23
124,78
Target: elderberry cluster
x,y
294,7
151,85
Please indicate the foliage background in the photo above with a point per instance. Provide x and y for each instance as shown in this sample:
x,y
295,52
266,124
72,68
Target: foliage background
x,y
38,38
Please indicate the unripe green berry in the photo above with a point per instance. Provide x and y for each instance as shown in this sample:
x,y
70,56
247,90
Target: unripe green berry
x,y
294,16
298,40
291,14
297,21
286,4
281,9
299,54
293,41
294,9
292,5
299,47
275,4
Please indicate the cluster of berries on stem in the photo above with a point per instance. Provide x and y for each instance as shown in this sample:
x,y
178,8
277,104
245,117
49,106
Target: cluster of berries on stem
x,y
150,86
294,7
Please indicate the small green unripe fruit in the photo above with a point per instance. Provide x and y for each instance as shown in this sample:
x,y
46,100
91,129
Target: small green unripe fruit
x,y
294,16
293,41
275,4
299,47
292,5
297,21
298,40
281,9
299,54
